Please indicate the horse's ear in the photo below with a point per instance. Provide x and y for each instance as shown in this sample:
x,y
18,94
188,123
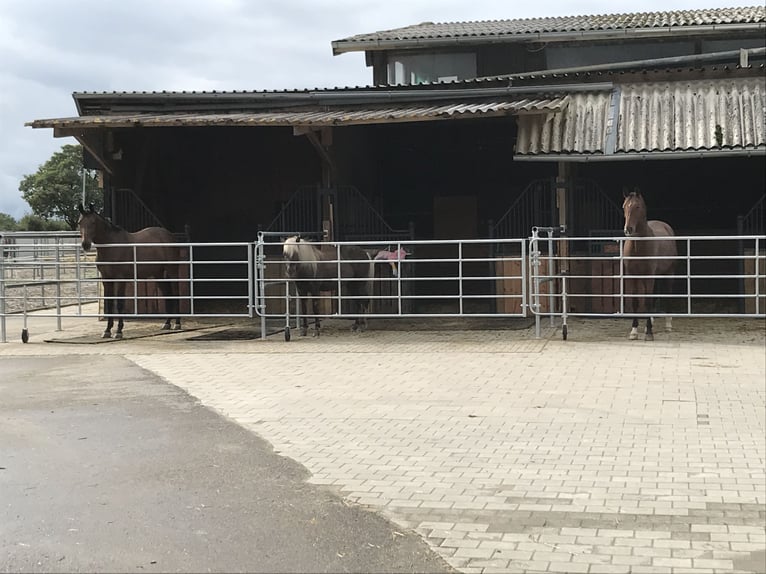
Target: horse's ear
x,y
92,208
637,191
81,208
625,192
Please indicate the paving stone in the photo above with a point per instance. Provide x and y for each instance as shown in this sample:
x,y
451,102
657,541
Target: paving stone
x,y
503,452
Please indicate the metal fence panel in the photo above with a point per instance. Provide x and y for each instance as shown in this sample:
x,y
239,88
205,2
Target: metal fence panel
x,y
44,272
714,276
411,279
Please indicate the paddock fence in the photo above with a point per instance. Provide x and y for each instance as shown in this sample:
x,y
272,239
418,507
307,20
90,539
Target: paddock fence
x,y
544,278
47,272
713,276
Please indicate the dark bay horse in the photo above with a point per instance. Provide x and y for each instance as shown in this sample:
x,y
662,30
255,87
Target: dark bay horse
x,y
315,269
120,264
645,260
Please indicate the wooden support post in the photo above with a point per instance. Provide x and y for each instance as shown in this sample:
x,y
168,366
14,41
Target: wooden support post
x,y
322,144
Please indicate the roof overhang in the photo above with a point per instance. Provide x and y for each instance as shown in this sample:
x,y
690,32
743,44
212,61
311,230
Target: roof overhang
x,y
344,116
316,108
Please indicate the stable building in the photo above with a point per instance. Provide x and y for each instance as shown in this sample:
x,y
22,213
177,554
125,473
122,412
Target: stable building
x,y
470,130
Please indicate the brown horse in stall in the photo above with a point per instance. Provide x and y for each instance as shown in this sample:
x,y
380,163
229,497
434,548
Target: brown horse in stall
x,y
645,260
120,264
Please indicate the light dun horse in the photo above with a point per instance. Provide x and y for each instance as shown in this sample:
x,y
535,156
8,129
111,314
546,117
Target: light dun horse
x,y
645,260
315,269
120,264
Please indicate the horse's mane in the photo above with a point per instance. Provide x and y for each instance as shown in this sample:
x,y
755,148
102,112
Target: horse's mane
x,y
297,249
110,224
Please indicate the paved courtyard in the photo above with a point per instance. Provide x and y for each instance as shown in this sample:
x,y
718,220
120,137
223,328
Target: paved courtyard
x,y
508,453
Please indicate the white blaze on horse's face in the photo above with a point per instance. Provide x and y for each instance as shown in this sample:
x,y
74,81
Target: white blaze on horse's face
x,y
633,209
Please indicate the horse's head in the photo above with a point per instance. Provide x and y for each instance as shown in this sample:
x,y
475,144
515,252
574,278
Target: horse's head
x,y
634,209
291,254
88,224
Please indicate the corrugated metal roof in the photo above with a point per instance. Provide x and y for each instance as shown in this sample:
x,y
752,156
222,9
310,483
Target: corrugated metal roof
x,y
315,117
522,29
654,117
580,128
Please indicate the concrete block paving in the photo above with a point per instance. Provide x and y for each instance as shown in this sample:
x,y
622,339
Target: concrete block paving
x,y
507,453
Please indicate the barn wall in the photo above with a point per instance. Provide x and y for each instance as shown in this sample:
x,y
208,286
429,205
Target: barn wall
x,y
223,182
410,171
695,196
226,182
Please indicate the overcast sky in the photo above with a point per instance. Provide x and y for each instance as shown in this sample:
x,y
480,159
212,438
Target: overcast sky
x,y
52,48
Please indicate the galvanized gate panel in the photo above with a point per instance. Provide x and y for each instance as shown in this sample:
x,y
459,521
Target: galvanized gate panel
x,y
412,279
715,276
44,272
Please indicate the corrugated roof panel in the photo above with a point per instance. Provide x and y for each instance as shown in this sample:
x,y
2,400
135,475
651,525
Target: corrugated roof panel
x,y
522,27
694,115
654,117
580,127
324,116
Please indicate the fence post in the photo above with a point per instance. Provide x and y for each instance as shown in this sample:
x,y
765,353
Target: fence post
x,y
58,283
741,261
2,291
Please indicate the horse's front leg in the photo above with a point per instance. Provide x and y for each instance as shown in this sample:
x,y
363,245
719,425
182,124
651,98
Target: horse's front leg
x,y
648,304
632,292
120,303
109,307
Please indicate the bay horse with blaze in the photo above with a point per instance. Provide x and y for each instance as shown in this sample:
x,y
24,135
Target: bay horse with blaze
x,y
126,262
645,260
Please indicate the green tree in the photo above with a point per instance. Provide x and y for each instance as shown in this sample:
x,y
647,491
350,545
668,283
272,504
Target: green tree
x,y
54,191
7,222
31,222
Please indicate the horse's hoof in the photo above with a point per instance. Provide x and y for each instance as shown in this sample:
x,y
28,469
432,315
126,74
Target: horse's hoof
x,y
304,332
632,336
166,327
107,335
649,337
118,335
177,328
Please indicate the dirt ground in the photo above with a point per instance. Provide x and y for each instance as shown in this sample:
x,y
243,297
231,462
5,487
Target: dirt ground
x,y
747,331
723,330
